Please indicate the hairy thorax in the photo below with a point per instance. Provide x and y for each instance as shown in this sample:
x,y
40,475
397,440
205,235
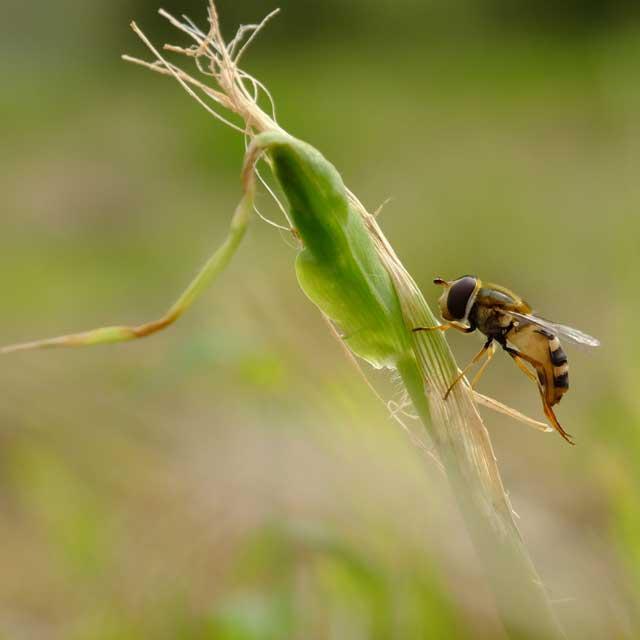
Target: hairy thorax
x,y
490,321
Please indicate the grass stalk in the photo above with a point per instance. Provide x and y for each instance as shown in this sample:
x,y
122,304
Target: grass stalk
x,y
350,271
424,361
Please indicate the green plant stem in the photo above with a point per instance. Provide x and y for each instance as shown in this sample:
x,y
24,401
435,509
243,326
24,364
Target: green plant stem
x,y
213,267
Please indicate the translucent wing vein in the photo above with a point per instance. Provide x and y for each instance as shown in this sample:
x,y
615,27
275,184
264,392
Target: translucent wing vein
x,y
560,330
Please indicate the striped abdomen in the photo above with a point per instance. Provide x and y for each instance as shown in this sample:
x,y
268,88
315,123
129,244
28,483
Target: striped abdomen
x,y
544,348
560,370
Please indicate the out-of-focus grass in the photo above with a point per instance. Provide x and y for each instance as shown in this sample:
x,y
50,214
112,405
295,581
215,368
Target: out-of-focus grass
x,y
234,478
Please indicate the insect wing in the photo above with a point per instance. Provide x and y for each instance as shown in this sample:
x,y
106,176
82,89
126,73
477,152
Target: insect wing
x,y
571,334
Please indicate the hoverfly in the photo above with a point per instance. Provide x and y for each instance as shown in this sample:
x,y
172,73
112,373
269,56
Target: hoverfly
x,y
505,318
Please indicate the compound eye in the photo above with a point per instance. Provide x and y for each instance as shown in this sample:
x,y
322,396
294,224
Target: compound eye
x,y
459,294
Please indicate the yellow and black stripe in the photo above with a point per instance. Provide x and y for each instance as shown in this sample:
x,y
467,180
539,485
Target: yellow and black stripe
x,y
560,368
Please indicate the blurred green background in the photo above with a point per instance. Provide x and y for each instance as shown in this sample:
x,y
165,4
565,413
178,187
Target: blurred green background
x,y
234,478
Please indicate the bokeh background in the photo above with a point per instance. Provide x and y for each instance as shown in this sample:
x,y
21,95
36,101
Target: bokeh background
x,y
234,478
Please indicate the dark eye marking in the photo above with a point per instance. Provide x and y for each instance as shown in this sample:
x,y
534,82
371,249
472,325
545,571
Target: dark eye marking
x,y
459,295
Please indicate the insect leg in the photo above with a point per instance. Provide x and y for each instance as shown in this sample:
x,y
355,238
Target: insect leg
x,y
490,353
520,358
444,327
213,267
438,327
475,359
548,411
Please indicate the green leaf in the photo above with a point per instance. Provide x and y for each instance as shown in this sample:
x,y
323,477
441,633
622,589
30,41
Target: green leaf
x,y
338,268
